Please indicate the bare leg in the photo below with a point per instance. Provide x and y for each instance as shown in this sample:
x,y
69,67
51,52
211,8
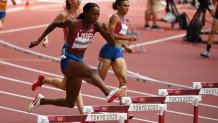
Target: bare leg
x,y
213,31
103,66
120,68
72,91
61,84
81,70
1,23
56,82
74,73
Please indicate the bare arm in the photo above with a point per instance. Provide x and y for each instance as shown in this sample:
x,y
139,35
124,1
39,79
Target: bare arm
x,y
128,49
105,34
60,17
112,24
50,28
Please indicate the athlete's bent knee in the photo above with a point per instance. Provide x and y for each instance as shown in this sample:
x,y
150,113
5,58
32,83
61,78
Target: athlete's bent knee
x,y
92,72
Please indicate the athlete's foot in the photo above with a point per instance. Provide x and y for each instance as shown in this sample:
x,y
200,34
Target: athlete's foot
x,y
205,54
38,82
115,93
130,116
35,103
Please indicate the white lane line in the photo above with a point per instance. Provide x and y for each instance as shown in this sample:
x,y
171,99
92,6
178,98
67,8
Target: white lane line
x,y
96,97
23,29
19,111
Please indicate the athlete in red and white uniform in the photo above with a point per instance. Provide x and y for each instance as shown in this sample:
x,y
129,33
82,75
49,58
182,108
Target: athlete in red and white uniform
x,y
71,11
79,36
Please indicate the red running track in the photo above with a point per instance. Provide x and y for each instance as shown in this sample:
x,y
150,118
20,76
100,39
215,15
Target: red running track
x,y
167,58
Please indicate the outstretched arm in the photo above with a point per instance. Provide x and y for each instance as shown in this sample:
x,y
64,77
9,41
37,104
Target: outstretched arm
x,y
60,17
50,28
102,29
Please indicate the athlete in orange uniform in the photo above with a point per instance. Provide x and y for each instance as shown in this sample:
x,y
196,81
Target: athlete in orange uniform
x,y
3,6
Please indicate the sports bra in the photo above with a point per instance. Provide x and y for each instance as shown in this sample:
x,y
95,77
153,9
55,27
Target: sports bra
x,y
80,38
121,27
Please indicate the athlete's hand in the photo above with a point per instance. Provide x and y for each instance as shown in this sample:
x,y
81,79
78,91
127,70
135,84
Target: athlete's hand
x,y
105,27
132,38
33,44
128,49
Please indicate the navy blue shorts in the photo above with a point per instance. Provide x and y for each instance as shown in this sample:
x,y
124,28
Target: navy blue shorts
x,y
67,58
2,15
110,52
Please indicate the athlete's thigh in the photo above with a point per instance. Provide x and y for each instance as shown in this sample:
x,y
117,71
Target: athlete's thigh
x,y
78,70
103,66
119,66
215,24
73,86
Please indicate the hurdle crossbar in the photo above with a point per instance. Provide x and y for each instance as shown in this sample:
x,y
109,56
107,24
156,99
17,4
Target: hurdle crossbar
x,y
210,88
121,117
132,104
143,99
135,104
183,95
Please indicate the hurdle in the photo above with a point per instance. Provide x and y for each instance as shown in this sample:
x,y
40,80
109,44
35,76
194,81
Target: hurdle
x,y
130,105
209,88
146,104
183,95
120,117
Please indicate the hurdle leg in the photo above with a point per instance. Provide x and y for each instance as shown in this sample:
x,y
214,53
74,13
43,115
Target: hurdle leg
x,y
42,119
195,120
196,103
161,114
127,121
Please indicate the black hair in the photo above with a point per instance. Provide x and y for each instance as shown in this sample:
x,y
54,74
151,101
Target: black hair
x,y
87,8
117,3
68,5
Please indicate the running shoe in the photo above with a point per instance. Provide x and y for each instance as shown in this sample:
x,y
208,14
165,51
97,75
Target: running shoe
x,y
35,103
147,27
38,82
130,116
205,54
115,93
156,28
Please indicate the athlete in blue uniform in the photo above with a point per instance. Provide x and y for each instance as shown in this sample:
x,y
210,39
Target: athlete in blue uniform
x,y
113,56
